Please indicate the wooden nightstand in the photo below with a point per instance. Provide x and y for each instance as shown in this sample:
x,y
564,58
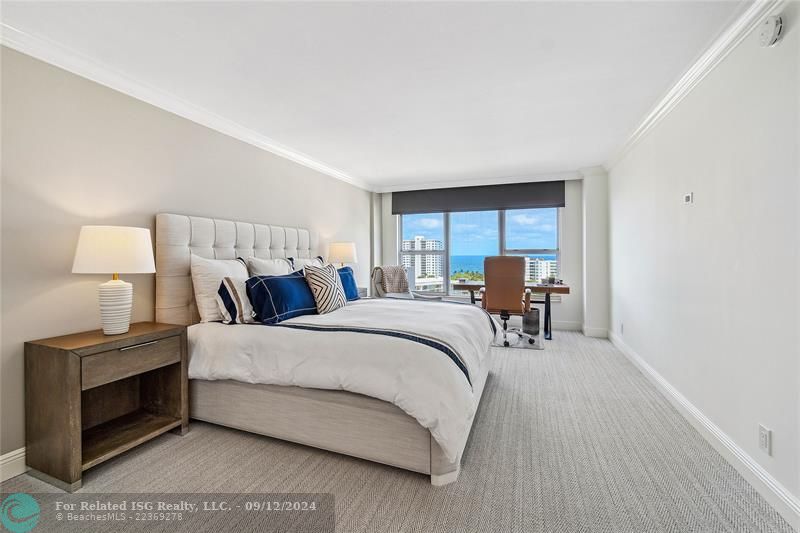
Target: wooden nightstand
x,y
89,397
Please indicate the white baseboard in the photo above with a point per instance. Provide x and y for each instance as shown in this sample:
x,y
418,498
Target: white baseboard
x,y
600,333
786,503
12,464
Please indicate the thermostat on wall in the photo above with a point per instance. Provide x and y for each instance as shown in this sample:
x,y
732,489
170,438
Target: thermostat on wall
x,y
771,30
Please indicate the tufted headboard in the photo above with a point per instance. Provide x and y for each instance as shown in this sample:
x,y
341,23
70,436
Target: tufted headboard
x,y
179,236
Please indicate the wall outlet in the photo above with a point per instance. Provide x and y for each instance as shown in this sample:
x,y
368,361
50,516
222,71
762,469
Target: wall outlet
x,y
765,439
688,198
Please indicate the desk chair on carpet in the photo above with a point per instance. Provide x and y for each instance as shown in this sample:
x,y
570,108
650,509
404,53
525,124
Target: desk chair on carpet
x,y
505,294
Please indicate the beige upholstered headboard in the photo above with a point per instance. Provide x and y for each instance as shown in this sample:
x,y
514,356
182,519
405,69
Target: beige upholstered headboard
x,y
179,236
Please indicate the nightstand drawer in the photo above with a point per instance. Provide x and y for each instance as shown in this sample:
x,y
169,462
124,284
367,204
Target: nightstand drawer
x,y
106,367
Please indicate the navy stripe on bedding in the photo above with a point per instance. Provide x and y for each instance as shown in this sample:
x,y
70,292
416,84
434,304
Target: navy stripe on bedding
x,y
438,345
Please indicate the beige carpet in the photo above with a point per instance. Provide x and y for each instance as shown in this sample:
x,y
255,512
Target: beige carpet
x,y
569,439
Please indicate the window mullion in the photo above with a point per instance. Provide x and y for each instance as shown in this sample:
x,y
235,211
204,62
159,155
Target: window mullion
x,y
446,261
501,230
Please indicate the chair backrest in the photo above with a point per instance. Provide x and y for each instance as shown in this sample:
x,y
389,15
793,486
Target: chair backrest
x,y
376,286
505,283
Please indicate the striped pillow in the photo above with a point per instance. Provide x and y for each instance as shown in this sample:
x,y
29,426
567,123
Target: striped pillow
x,y
233,303
326,286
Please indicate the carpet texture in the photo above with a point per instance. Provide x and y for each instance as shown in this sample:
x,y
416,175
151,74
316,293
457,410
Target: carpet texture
x,y
570,439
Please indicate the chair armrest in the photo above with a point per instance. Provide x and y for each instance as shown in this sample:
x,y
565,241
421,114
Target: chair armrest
x,y
422,296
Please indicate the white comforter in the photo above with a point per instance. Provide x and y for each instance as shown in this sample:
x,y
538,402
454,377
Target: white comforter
x,y
419,379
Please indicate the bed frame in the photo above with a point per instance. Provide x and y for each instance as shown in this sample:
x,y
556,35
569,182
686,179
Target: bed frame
x,y
338,421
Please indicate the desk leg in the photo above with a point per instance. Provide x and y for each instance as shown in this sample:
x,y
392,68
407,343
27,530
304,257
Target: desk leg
x,y
548,327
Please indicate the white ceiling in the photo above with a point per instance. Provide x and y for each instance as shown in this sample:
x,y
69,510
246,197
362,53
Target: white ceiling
x,y
400,95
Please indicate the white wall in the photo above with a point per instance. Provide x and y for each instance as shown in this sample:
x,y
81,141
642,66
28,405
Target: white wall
x,y
596,306
376,230
568,313
709,294
75,152
388,231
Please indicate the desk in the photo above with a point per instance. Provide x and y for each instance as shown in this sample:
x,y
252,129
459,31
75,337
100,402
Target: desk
x,y
536,288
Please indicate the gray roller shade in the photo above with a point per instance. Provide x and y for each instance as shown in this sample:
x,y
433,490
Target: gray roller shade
x,y
481,198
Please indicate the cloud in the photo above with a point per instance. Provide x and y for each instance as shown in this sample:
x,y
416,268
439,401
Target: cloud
x,y
464,227
428,223
526,219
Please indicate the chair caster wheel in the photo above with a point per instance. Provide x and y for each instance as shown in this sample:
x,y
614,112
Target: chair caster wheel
x,y
531,341
506,344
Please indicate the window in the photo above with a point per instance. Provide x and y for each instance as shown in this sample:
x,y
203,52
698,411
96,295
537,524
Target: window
x,y
457,243
422,251
473,236
533,233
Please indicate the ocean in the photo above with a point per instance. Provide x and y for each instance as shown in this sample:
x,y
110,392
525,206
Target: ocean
x,y
474,263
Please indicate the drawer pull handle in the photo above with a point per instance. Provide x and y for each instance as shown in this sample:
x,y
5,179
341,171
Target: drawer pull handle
x,y
125,349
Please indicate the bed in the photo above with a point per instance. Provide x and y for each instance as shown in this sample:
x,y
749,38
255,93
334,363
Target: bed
x,y
395,382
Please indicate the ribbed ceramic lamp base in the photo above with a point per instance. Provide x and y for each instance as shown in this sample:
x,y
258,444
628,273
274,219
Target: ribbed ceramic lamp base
x,y
116,303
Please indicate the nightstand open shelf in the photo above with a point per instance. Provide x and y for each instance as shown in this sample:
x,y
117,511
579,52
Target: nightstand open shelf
x,y
120,434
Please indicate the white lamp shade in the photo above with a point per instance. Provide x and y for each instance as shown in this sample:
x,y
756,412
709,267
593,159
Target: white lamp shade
x,y
114,250
342,252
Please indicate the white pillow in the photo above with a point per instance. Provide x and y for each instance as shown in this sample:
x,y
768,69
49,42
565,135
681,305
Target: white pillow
x,y
207,274
299,262
268,267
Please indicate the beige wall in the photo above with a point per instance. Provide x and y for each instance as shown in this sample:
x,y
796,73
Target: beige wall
x,y
75,152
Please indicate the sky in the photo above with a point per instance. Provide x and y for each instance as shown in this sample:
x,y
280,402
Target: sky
x,y
476,233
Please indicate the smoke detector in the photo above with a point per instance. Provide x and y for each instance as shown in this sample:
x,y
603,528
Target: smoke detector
x,y
771,30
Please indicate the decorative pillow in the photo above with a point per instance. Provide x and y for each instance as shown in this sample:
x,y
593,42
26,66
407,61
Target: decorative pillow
x,y
278,298
268,267
299,262
348,283
233,303
207,274
326,286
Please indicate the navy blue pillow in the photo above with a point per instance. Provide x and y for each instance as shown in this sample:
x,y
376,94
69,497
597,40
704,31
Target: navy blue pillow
x,y
349,283
278,298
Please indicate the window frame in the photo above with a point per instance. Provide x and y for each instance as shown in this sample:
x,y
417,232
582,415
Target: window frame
x,y
444,252
501,233
531,251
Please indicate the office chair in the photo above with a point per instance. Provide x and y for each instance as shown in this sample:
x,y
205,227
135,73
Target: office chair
x,y
505,294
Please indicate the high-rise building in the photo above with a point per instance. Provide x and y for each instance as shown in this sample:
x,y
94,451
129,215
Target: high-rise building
x,y
423,266
537,268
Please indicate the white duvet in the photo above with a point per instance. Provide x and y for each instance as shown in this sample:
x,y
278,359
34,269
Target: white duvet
x,y
419,379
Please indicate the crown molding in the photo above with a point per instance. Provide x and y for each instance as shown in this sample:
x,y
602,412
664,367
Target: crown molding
x,y
553,176
729,39
77,63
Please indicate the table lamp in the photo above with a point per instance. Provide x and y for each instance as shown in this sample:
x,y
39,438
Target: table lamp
x,y
342,252
114,250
